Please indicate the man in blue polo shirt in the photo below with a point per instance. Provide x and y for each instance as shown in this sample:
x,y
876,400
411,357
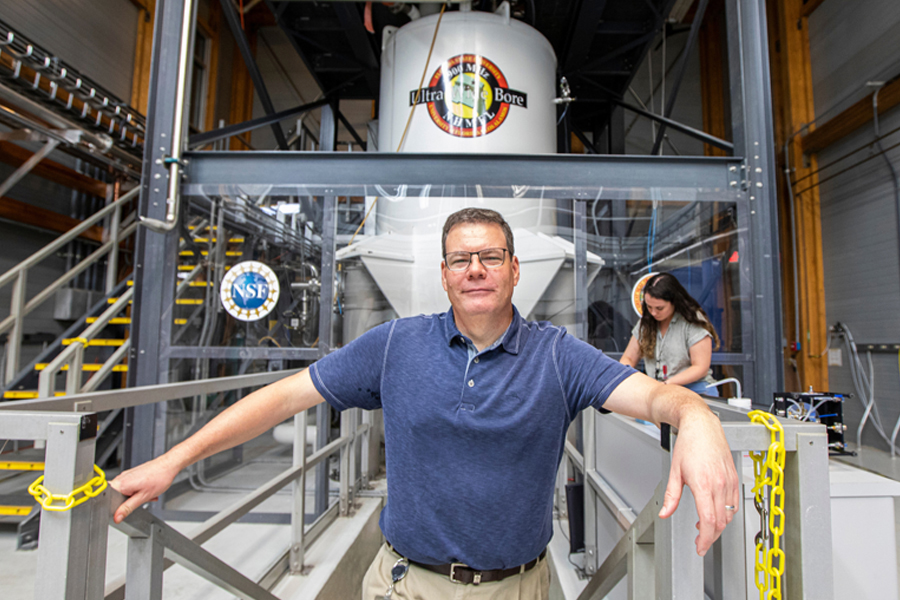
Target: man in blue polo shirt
x,y
476,404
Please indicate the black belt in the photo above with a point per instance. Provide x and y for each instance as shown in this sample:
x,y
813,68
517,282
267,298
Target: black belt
x,y
461,573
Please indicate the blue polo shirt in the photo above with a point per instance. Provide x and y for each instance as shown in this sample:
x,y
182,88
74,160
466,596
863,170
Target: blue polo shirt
x,y
472,441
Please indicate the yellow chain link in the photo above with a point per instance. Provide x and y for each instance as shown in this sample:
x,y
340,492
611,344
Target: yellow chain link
x,y
768,471
91,489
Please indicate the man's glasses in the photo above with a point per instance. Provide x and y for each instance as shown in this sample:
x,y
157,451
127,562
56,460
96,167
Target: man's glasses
x,y
490,258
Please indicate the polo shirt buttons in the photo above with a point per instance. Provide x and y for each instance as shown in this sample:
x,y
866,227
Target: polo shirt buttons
x,y
476,360
471,383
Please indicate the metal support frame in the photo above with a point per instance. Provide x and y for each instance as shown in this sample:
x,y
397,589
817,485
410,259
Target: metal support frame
x,y
658,557
234,23
556,175
752,126
155,252
73,543
201,139
328,140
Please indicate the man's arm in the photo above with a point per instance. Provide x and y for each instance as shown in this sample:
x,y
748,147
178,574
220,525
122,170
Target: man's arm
x,y
701,457
244,420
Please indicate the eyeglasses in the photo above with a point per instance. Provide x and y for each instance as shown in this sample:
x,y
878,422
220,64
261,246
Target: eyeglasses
x,y
490,258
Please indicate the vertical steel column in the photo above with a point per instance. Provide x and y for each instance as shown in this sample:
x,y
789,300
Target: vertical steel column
x,y
729,576
154,276
751,117
298,495
144,570
328,140
579,235
589,453
679,570
63,557
807,520
14,341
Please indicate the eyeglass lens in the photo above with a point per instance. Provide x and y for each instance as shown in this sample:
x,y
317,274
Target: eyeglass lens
x,y
491,258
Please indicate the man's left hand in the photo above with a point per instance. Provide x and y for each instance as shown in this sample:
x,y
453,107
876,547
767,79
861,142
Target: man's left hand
x,y
702,460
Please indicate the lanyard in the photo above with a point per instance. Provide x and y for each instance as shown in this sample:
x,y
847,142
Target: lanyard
x,y
662,375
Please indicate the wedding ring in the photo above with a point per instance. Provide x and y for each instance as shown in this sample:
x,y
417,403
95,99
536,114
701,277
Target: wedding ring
x,y
729,507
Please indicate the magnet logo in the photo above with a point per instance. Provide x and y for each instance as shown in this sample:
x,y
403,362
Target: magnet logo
x,y
468,96
250,291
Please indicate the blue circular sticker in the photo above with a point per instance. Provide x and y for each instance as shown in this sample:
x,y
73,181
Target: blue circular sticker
x,y
249,291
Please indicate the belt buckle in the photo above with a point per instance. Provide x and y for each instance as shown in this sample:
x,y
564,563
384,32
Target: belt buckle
x,y
476,575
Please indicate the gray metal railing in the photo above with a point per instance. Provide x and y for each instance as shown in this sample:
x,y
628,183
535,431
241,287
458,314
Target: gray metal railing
x,y
20,305
72,547
657,557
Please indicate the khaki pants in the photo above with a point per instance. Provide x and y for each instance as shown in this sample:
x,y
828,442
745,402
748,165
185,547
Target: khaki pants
x,y
421,584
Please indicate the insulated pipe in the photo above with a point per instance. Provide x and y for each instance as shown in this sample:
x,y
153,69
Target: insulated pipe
x,y
174,160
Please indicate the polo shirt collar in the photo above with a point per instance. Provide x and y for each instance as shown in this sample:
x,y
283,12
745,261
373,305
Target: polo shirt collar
x,y
510,341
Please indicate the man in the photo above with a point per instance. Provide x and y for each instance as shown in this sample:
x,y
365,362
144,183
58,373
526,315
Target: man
x,y
476,404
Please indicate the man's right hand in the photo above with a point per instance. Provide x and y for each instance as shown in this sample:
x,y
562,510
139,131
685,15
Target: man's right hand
x,y
143,484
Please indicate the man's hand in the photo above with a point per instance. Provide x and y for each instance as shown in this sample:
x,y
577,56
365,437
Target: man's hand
x,y
144,483
702,460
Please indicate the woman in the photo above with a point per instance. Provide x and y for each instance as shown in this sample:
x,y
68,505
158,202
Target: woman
x,y
674,337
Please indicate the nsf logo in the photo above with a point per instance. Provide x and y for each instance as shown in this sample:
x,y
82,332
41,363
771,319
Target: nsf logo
x,y
249,291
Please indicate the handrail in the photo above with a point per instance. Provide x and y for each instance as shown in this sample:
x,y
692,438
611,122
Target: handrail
x,y
18,305
149,394
73,355
67,237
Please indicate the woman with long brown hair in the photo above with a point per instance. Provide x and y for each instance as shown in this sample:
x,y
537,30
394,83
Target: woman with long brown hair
x,y
674,337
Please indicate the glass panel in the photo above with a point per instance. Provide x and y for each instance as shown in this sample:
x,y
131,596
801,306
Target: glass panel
x,y
392,266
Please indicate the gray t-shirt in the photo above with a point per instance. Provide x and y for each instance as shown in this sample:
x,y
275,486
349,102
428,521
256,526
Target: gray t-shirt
x,y
673,350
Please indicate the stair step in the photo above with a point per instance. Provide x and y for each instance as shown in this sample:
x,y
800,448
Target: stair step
x,y
18,465
192,267
95,342
14,511
234,240
113,321
206,253
25,394
87,367
127,321
187,301
201,284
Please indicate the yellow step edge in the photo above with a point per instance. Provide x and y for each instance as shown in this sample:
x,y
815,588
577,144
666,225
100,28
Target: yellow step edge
x,y
234,240
113,321
14,511
127,321
205,253
25,395
200,283
96,342
18,465
130,283
87,367
190,301
192,267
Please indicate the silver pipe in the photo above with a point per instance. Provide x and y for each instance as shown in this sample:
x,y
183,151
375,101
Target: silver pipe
x,y
174,160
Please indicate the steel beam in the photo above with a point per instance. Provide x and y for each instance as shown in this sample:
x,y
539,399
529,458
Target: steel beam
x,y
201,139
752,126
155,252
243,353
579,233
259,85
679,75
551,176
681,127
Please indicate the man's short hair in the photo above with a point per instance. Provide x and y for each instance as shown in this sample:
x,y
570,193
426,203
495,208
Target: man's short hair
x,y
477,215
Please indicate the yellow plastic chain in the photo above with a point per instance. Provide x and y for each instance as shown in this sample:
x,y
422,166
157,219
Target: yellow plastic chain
x,y
91,489
768,470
